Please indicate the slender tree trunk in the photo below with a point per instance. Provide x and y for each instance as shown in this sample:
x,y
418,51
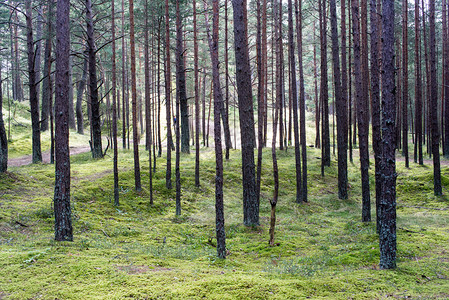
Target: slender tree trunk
x,y
124,85
34,101
260,102
405,82
387,203
114,108
204,108
197,96
281,77
340,99
317,99
350,139
148,100
47,67
243,75
134,98
181,108
291,42
418,90
167,96
325,139
434,104
218,107
72,123
362,110
63,219
375,103
445,81
97,151
159,138
3,137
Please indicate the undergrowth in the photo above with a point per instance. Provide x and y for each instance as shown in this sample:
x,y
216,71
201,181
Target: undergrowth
x,y
143,251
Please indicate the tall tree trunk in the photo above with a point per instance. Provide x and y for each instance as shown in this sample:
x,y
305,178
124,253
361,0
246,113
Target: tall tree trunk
x,y
405,82
375,102
362,110
63,219
134,98
302,102
260,102
34,101
96,147
181,104
181,83
387,203
159,138
167,96
47,67
3,138
291,42
418,155
317,99
79,98
197,96
114,108
218,107
148,100
243,75
434,104
281,77
445,80
340,100
124,85
325,139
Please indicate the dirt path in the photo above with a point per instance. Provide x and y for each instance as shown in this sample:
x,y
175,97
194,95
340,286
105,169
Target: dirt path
x,y
27,159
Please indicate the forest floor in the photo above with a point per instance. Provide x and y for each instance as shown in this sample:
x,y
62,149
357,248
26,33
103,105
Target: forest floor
x,y
144,251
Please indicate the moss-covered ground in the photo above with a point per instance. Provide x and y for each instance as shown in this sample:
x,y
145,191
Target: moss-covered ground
x,y
139,251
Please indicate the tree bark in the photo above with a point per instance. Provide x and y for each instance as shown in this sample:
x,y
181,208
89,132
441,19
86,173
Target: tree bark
x,y
434,104
405,82
167,96
243,76
361,114
418,155
3,137
137,182
97,151
148,101
445,80
34,101
114,109
387,203
63,219
340,100
218,107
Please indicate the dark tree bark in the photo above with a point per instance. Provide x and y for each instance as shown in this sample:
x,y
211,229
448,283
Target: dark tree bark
x,y
148,100
294,93
3,137
434,104
181,84
79,98
243,76
47,67
52,119
137,183
260,101
387,203
63,218
34,101
340,100
167,96
302,102
180,97
418,155
204,108
124,82
405,82
114,108
362,110
375,102
95,126
317,99
445,81
218,108
281,92
325,136
197,98
159,138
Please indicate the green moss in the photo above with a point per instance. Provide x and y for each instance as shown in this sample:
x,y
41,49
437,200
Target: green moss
x,y
139,251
